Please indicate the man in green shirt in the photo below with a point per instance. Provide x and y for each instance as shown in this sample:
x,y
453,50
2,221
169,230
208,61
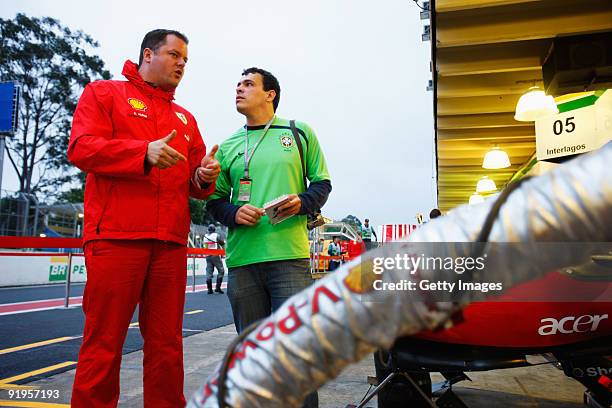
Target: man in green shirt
x,y
260,162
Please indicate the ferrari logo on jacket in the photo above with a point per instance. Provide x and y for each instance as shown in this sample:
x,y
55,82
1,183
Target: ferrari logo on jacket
x,y
137,104
182,117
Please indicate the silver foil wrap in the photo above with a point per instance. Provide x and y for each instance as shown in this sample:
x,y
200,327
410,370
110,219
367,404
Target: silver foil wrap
x,y
328,326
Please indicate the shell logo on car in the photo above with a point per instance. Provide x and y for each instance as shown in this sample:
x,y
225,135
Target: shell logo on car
x,y
361,277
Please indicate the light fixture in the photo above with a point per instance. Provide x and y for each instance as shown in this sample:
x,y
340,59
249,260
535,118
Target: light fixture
x,y
496,159
535,104
485,185
81,215
476,198
43,235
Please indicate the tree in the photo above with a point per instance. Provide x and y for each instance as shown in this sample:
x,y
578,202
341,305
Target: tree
x,y
52,64
75,194
353,221
199,215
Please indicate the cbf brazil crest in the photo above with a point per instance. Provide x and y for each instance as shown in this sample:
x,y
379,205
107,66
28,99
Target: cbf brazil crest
x,y
286,142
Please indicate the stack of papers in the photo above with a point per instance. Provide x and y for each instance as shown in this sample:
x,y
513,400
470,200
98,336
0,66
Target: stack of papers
x,y
271,209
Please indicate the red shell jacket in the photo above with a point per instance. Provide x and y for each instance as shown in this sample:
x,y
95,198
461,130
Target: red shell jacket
x,y
113,124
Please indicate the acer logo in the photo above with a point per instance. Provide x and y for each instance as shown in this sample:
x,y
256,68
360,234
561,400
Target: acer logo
x,y
570,324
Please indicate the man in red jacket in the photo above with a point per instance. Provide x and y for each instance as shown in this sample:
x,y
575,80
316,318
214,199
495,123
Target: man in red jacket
x,y
144,156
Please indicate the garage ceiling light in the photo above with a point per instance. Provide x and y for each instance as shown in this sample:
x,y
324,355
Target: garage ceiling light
x,y
496,159
535,104
485,185
476,198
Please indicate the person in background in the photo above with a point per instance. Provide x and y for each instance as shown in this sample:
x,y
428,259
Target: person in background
x,y
319,245
334,249
213,240
366,235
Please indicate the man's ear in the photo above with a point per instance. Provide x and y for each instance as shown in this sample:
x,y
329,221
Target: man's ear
x,y
147,54
271,95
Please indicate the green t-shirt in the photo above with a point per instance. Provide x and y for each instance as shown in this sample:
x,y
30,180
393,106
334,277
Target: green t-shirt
x,y
275,169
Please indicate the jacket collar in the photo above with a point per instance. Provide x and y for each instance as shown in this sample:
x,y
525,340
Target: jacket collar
x,y
130,71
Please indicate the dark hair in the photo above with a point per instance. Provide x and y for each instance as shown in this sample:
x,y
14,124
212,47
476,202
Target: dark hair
x,y
435,213
156,38
269,82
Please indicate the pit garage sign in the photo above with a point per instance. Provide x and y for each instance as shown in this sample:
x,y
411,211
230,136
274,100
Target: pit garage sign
x,y
584,123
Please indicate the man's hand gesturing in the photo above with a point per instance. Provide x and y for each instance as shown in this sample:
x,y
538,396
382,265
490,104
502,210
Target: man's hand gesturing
x,y
209,167
249,215
160,155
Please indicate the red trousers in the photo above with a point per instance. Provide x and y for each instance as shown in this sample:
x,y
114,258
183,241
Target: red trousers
x,y
120,275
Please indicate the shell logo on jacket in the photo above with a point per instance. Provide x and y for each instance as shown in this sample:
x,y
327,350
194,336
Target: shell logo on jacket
x,y
138,104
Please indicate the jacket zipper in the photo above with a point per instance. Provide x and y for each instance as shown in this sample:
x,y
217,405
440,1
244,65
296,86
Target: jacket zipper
x,y
154,113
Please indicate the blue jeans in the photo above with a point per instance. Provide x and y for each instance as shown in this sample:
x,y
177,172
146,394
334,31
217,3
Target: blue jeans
x,y
257,290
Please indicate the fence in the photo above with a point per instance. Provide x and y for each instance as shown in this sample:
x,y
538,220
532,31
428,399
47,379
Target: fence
x,y
73,243
19,214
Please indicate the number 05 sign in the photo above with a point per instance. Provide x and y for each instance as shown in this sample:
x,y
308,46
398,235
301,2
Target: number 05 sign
x,y
583,124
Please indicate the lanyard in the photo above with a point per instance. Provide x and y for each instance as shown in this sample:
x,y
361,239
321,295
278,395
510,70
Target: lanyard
x,y
247,157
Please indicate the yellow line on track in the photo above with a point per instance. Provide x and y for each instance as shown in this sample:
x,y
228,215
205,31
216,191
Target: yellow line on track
x,y
31,404
36,372
194,312
33,345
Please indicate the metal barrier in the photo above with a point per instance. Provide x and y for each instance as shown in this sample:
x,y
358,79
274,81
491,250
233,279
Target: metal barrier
x,y
19,214
315,262
72,243
200,253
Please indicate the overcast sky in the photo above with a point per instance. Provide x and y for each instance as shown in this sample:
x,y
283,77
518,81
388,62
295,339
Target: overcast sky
x,y
356,71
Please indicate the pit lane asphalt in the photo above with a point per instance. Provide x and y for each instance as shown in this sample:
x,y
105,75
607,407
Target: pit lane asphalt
x,y
32,327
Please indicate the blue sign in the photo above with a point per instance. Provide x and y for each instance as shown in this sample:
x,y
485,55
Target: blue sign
x,y
9,106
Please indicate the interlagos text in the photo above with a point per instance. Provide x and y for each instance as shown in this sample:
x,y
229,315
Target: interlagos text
x,y
413,263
